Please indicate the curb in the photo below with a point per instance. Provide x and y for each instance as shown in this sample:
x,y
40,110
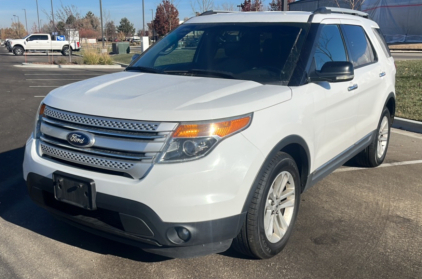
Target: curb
x,y
408,125
30,65
121,64
405,51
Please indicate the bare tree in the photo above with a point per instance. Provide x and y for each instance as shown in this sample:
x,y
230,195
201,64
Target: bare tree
x,y
200,6
107,19
354,4
226,6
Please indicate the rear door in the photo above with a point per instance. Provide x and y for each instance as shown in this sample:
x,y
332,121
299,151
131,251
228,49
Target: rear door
x,y
368,79
335,105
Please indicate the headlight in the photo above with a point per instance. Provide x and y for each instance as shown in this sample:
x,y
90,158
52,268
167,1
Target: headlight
x,y
37,125
191,141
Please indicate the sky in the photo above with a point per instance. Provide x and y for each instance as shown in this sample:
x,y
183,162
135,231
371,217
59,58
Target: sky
x,y
132,9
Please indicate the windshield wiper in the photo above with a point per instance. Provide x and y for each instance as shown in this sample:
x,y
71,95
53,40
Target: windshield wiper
x,y
202,72
144,69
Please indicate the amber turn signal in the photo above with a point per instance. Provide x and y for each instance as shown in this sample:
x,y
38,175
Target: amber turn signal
x,y
221,129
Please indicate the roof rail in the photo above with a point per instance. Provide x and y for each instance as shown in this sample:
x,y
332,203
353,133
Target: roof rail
x,y
213,12
333,10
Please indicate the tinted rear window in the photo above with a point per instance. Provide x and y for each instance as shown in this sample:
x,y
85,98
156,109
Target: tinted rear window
x,y
361,50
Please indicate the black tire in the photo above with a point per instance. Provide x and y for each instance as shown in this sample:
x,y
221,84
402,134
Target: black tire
x,y
66,51
18,51
370,157
252,239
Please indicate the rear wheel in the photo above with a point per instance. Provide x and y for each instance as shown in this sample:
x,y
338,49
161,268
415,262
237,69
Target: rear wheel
x,y
375,153
272,211
18,50
66,51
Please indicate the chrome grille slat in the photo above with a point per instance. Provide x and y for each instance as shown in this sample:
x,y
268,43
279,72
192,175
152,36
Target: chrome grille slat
x,y
102,122
134,169
96,152
113,133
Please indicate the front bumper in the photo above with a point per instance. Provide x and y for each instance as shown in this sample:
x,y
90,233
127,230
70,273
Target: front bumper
x,y
136,224
205,196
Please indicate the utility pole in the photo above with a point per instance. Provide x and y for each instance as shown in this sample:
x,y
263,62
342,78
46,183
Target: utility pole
x,y
102,26
52,15
143,18
285,5
38,15
26,23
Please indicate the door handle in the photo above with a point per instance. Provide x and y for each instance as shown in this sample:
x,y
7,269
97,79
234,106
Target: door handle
x,y
382,74
353,87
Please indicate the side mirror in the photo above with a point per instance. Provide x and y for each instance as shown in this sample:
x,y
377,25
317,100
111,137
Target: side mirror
x,y
337,71
27,39
135,56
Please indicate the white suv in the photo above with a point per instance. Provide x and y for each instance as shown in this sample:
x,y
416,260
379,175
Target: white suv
x,y
209,138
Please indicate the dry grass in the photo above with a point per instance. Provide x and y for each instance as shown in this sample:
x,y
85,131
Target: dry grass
x,y
409,89
94,57
406,47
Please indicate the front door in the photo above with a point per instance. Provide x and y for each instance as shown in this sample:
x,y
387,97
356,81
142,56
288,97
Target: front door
x,y
335,102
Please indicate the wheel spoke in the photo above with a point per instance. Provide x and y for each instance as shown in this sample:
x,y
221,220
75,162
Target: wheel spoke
x,y
283,222
383,139
288,192
286,203
278,226
276,185
269,231
282,185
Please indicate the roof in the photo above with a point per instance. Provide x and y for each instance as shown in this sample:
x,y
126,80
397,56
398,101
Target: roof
x,y
270,16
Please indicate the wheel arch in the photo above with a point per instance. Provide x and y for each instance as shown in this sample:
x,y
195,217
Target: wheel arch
x,y
390,103
19,45
296,147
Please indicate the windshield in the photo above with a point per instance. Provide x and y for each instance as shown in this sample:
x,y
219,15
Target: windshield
x,y
261,52
26,37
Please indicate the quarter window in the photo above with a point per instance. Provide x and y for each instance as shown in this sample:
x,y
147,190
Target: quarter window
x,y
361,50
330,46
381,40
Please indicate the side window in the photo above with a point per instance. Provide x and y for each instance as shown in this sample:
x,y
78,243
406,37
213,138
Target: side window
x,y
330,46
361,50
33,38
43,37
381,40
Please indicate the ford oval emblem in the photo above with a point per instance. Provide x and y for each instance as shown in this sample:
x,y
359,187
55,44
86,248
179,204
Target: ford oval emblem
x,y
81,139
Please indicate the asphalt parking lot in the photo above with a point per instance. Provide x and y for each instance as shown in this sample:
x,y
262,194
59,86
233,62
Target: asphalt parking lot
x,y
356,223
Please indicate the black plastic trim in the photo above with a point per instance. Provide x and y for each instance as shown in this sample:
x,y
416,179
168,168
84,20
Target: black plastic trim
x,y
392,113
339,160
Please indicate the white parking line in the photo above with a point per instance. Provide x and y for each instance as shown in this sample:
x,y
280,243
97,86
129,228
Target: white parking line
x,y
55,79
406,133
382,166
68,74
39,96
44,86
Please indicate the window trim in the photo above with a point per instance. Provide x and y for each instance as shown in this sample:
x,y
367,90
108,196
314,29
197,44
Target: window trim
x,y
381,40
376,60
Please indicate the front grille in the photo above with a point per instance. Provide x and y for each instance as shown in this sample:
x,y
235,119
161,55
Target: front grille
x,y
88,160
121,146
100,121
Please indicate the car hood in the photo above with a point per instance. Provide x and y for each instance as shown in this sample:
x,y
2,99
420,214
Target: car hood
x,y
158,97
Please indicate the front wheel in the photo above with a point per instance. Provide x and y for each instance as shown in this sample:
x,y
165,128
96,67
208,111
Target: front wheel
x,y
272,211
18,51
374,155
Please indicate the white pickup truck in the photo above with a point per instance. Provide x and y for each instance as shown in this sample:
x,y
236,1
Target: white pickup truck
x,y
43,43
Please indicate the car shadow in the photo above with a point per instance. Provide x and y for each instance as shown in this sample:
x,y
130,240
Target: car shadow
x,y
17,208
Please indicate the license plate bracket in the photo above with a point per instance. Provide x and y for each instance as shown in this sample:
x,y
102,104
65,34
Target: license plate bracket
x,y
75,190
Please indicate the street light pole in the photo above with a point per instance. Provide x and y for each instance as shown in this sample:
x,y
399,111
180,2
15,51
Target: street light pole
x,y
102,27
143,18
26,23
38,15
52,15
